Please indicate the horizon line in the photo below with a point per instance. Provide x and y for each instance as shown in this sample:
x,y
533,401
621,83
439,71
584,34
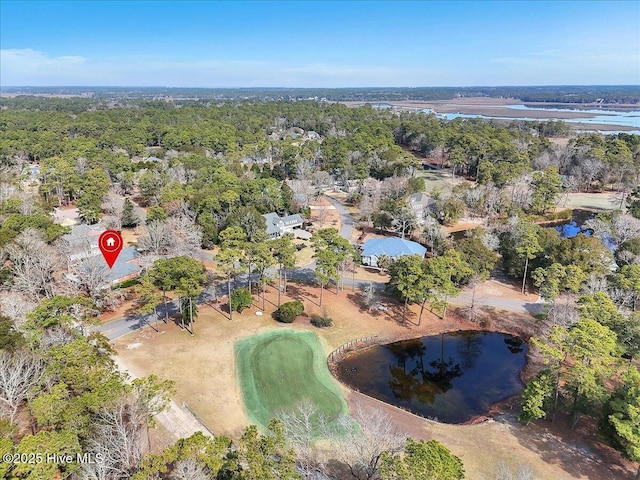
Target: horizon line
x,y
324,88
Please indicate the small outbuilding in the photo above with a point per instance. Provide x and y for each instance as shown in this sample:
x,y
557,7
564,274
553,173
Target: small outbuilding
x,y
394,248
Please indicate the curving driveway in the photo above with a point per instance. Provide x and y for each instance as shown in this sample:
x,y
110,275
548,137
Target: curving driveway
x,y
346,220
125,325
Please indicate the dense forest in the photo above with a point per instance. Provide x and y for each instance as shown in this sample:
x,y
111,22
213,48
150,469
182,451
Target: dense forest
x,y
559,94
199,173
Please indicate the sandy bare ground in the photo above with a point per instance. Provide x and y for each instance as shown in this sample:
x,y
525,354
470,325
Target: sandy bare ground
x,y
323,215
556,454
175,419
203,367
464,224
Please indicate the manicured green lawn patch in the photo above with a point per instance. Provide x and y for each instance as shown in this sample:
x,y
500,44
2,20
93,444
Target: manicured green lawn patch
x,y
282,368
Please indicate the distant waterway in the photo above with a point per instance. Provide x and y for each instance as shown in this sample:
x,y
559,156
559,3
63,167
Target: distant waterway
x,y
591,117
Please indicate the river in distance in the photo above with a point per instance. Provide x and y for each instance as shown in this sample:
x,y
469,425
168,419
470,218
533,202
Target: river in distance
x,y
592,117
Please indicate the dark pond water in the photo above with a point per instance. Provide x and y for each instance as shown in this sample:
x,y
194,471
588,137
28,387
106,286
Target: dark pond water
x,y
451,377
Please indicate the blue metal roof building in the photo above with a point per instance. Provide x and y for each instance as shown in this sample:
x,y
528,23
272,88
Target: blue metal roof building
x,y
392,247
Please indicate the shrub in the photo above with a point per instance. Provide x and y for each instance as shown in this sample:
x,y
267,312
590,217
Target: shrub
x,y
128,283
560,215
322,321
288,312
241,298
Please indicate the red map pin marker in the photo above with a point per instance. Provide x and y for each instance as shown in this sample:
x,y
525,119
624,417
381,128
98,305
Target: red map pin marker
x,y
110,244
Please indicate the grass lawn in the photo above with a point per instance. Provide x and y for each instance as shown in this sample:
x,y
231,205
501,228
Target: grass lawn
x,y
282,368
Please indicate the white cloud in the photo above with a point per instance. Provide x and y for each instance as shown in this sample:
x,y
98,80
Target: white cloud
x,y
546,66
23,64
35,68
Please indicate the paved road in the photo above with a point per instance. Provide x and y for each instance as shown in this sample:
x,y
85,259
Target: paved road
x,y
122,326
346,220
125,325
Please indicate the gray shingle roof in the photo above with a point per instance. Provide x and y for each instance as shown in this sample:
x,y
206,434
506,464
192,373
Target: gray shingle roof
x,y
419,197
275,223
126,264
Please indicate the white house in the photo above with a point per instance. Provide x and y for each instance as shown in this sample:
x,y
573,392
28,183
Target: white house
x,y
420,203
81,242
277,226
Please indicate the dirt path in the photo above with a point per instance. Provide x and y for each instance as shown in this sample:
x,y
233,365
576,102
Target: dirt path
x,y
175,420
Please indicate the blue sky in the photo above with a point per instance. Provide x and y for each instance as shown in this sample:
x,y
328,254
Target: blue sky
x,y
318,44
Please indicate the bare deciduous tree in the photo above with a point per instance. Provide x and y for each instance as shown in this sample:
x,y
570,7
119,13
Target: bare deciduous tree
x,y
491,241
626,257
519,472
432,233
190,469
112,206
16,306
157,238
321,180
587,169
118,442
81,165
19,372
27,203
302,188
625,227
621,228
305,169
596,283
368,206
187,235
298,425
178,173
117,445
369,295
365,437
57,335
93,277
599,227
404,221
34,264
321,214
394,188
473,198
7,191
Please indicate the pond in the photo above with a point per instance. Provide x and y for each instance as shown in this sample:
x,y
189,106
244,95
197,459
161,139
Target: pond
x,y
570,229
451,377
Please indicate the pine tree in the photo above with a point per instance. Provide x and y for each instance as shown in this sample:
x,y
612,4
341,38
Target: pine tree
x,y
129,218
